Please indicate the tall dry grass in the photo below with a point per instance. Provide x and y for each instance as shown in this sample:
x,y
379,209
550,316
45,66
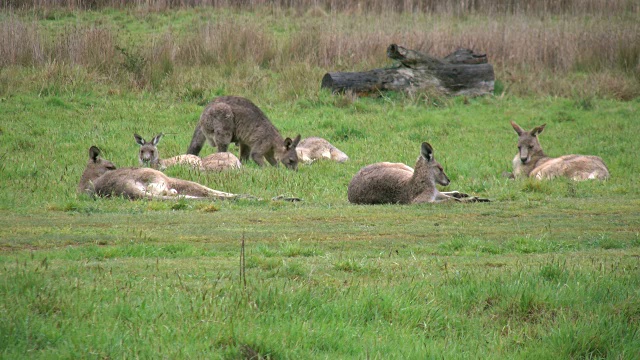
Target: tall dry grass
x,y
457,7
527,52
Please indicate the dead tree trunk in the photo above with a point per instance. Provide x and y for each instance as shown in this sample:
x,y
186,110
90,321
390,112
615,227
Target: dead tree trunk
x,y
459,73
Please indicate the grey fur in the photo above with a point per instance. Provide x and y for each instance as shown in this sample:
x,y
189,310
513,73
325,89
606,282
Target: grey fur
x,y
235,119
148,153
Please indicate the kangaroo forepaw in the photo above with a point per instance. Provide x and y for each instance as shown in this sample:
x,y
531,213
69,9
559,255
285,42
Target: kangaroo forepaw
x,y
456,194
285,198
473,199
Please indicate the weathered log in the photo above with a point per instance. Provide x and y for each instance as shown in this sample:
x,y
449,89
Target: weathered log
x,y
459,73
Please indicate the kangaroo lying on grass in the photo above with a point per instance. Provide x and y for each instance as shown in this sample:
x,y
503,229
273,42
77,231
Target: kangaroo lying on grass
x,y
397,183
314,148
101,178
235,119
150,156
531,160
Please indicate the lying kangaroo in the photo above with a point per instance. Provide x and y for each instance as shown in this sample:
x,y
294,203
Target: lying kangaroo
x,y
314,148
150,157
235,119
397,183
101,178
531,160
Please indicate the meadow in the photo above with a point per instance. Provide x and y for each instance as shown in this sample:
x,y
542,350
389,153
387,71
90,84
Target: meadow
x,y
546,270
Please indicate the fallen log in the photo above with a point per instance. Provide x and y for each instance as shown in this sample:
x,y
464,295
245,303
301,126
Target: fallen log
x,y
460,73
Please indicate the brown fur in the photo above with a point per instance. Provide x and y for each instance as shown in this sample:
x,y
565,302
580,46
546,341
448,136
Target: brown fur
x,y
148,153
313,148
150,156
396,183
102,178
235,119
531,161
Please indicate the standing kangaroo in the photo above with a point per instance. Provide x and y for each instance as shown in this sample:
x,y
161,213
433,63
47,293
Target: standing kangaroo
x,y
531,161
313,148
397,183
101,178
235,119
149,156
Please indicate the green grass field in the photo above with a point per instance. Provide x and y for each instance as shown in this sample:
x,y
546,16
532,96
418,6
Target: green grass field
x,y
546,270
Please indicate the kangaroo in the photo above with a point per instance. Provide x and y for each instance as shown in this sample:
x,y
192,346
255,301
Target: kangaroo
x,y
313,148
397,183
102,178
531,161
235,119
150,157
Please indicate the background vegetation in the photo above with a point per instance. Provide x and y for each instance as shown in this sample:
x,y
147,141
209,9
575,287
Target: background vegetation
x,y
581,48
546,270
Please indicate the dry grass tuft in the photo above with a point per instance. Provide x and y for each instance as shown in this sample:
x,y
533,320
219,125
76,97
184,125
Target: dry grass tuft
x,y
229,42
20,44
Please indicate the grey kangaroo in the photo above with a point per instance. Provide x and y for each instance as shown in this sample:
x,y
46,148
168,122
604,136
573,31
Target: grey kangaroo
x,y
102,178
397,183
235,119
531,161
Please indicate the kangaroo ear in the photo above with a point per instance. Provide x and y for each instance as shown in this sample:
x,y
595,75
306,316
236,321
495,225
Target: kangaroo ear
x,y
139,139
156,139
517,128
94,152
287,143
537,130
296,141
426,151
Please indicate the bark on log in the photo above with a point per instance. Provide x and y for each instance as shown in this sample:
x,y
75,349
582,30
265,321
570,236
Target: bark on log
x,y
459,73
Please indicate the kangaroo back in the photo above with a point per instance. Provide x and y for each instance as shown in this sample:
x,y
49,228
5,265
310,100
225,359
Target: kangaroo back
x,y
574,167
220,161
314,148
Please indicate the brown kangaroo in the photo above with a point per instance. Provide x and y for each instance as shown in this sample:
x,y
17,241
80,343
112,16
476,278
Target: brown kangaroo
x,y
531,161
397,183
313,148
102,178
150,156
235,119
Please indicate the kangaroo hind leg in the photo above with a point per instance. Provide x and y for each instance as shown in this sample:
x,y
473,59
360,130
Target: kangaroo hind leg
x,y
195,190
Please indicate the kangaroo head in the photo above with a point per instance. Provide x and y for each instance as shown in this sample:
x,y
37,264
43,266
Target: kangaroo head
x,y
95,168
97,163
434,170
148,154
528,144
289,156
